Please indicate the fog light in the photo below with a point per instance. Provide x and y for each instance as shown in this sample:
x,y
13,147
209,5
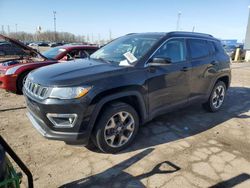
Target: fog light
x,y
63,120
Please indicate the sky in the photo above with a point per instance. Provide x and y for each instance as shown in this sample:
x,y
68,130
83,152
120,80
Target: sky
x,y
224,19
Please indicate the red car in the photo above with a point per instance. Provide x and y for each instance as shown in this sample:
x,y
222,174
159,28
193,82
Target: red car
x,y
14,68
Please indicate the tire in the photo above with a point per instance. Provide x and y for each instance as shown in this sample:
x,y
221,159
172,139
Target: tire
x,y
20,82
116,128
216,98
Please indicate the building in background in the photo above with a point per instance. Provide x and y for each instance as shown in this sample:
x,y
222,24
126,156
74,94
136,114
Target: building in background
x,y
247,39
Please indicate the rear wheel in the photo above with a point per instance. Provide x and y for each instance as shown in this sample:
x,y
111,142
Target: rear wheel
x,y
20,82
216,98
116,128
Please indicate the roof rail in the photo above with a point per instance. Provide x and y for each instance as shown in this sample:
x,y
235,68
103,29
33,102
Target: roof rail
x,y
188,32
130,33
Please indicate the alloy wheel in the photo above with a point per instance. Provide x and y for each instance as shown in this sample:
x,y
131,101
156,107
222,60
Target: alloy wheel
x,y
119,129
218,96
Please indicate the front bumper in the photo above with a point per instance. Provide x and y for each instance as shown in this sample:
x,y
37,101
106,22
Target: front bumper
x,y
8,82
38,124
37,110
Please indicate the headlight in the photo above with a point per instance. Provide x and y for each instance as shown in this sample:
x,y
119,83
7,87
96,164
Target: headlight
x,y
68,92
2,73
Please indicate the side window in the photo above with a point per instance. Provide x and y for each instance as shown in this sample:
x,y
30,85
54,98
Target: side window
x,y
173,49
198,48
211,47
76,54
71,55
219,48
90,51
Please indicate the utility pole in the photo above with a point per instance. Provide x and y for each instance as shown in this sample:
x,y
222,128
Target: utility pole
x,y
99,38
54,12
2,29
110,35
8,26
16,27
178,21
193,28
88,39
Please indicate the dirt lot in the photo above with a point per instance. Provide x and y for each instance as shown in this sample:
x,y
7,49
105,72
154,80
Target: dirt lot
x,y
186,148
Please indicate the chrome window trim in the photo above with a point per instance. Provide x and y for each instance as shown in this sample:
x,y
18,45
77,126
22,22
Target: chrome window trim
x,y
197,38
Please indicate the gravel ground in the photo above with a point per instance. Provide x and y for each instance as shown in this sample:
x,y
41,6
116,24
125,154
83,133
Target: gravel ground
x,y
186,148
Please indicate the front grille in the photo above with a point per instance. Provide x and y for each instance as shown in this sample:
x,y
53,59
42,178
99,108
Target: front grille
x,y
35,89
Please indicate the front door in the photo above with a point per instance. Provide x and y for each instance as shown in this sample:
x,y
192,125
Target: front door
x,y
169,85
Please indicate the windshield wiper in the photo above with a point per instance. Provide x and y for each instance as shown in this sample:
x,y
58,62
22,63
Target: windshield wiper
x,y
102,59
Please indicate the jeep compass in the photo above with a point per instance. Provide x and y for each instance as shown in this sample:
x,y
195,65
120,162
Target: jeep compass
x,y
106,97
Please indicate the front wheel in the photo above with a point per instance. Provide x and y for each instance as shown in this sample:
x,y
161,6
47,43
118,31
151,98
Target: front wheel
x,y
20,82
116,128
216,98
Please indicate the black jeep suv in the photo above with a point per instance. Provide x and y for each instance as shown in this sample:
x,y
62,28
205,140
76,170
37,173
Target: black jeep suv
x,y
106,97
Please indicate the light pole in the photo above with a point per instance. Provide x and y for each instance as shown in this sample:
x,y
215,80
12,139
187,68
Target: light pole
x,y
54,12
193,29
178,21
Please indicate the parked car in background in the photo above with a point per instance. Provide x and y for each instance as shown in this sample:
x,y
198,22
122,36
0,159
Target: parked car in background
x,y
13,71
69,52
126,83
7,48
55,44
44,44
231,50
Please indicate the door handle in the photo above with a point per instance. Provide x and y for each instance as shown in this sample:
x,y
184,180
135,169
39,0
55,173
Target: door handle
x,y
185,69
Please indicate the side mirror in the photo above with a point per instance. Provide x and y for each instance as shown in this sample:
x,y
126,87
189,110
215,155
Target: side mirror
x,y
158,61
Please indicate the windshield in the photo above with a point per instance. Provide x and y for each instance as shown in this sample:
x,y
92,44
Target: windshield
x,y
126,50
53,52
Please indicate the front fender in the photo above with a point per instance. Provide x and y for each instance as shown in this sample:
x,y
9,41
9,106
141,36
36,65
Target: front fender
x,y
101,103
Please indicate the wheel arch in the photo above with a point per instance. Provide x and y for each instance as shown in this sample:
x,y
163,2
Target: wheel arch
x,y
25,72
224,79
133,98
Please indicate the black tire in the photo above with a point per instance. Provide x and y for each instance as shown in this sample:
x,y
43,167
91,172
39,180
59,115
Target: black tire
x,y
209,105
111,111
20,81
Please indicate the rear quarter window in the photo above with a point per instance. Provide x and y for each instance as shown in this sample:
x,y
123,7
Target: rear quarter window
x,y
198,48
219,48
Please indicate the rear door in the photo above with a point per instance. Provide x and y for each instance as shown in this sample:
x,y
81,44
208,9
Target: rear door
x,y
169,85
202,58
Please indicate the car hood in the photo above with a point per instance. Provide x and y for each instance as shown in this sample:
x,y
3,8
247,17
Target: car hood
x,y
73,73
27,49
16,64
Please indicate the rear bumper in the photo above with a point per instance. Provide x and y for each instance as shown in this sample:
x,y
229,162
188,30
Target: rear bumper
x,y
8,82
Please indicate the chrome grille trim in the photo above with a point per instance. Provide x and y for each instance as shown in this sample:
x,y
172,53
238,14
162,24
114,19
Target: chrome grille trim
x,y
35,89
